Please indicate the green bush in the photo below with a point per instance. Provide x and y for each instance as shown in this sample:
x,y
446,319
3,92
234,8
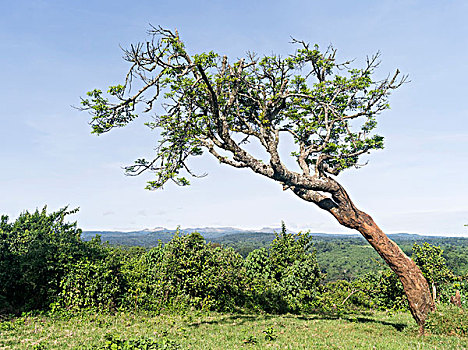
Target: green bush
x,y
117,343
448,320
203,275
93,284
35,251
448,290
285,277
141,271
263,293
334,297
186,272
381,291
388,293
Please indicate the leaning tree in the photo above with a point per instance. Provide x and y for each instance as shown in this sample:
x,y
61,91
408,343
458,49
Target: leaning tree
x,y
210,103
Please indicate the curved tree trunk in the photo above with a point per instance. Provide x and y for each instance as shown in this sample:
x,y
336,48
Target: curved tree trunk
x,y
414,283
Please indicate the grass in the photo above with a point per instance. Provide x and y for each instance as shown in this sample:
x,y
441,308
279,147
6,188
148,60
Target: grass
x,y
196,330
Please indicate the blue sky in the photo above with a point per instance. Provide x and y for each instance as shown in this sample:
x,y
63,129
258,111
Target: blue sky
x,y
52,52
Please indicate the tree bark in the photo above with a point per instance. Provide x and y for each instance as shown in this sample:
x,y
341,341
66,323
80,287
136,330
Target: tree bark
x,y
343,209
414,283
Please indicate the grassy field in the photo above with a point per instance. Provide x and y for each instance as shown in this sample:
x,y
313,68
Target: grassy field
x,y
223,331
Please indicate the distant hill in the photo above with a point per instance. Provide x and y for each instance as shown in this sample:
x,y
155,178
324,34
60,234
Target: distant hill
x,y
150,237
146,236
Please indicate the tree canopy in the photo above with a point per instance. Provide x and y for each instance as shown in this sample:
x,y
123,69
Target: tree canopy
x,y
212,103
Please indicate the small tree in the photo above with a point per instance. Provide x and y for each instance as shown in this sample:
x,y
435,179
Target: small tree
x,y
216,105
433,265
35,251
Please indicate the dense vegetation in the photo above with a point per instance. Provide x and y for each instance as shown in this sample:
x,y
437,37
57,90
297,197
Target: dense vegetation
x,y
46,266
340,257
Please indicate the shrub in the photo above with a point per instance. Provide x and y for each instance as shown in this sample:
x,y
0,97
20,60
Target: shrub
x,y
117,343
186,272
448,320
449,289
203,275
388,293
382,291
93,284
141,271
35,251
285,277
334,297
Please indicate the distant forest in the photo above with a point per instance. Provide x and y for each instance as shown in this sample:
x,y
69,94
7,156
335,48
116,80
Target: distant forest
x,y
340,256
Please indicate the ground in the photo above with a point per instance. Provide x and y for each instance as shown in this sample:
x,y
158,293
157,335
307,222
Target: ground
x,y
197,330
